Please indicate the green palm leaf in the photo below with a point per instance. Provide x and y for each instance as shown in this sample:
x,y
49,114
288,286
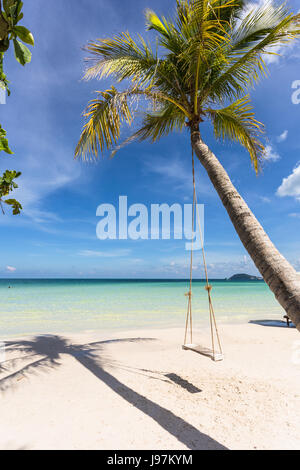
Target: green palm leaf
x,y
161,123
209,54
104,117
237,123
121,57
261,29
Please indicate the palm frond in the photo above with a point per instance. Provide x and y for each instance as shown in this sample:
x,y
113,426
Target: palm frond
x,y
121,57
169,36
210,53
229,12
204,29
236,122
156,125
104,116
161,123
261,30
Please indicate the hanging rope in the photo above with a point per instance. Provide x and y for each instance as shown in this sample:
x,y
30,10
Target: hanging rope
x,y
189,293
212,319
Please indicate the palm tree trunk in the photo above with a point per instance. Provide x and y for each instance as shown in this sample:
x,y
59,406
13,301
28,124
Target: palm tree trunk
x,y
277,272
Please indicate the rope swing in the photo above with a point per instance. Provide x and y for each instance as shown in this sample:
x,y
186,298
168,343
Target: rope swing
x,y
216,354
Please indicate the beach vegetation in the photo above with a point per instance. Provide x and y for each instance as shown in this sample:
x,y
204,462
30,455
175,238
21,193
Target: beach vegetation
x,y
11,32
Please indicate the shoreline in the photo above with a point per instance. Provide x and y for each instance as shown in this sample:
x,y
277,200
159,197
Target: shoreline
x,y
58,306
152,327
137,389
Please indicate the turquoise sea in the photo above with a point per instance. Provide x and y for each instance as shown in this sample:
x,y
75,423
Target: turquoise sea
x,y
51,306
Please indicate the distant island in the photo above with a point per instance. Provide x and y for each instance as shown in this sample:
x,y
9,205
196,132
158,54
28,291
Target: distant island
x,y
244,277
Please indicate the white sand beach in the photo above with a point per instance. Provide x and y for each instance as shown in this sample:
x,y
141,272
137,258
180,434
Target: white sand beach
x,y
140,390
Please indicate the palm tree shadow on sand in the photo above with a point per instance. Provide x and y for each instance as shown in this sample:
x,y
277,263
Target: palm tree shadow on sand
x,y
44,352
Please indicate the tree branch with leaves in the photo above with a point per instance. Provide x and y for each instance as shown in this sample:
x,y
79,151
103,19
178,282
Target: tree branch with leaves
x,y
11,32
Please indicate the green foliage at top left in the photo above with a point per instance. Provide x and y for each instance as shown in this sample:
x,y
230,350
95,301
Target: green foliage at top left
x,y
11,32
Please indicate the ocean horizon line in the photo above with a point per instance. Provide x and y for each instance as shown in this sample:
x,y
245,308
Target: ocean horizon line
x,y
124,279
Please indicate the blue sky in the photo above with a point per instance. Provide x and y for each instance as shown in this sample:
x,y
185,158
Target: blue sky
x,y
56,234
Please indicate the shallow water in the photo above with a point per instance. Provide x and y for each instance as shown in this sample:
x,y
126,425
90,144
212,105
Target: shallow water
x,y
49,306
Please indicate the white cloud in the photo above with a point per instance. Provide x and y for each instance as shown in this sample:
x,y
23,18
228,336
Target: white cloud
x,y
178,174
105,254
10,269
282,137
270,154
222,269
172,170
40,216
275,52
36,184
290,186
265,199
295,215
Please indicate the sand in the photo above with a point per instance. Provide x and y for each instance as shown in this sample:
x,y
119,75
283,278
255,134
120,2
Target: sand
x,y
140,390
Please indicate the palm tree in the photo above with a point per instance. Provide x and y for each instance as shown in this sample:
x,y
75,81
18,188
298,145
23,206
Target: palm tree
x,y
204,64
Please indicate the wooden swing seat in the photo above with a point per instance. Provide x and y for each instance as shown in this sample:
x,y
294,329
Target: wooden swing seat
x,y
214,356
215,353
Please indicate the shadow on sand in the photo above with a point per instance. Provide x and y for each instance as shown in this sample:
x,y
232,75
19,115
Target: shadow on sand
x,y
273,323
45,352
